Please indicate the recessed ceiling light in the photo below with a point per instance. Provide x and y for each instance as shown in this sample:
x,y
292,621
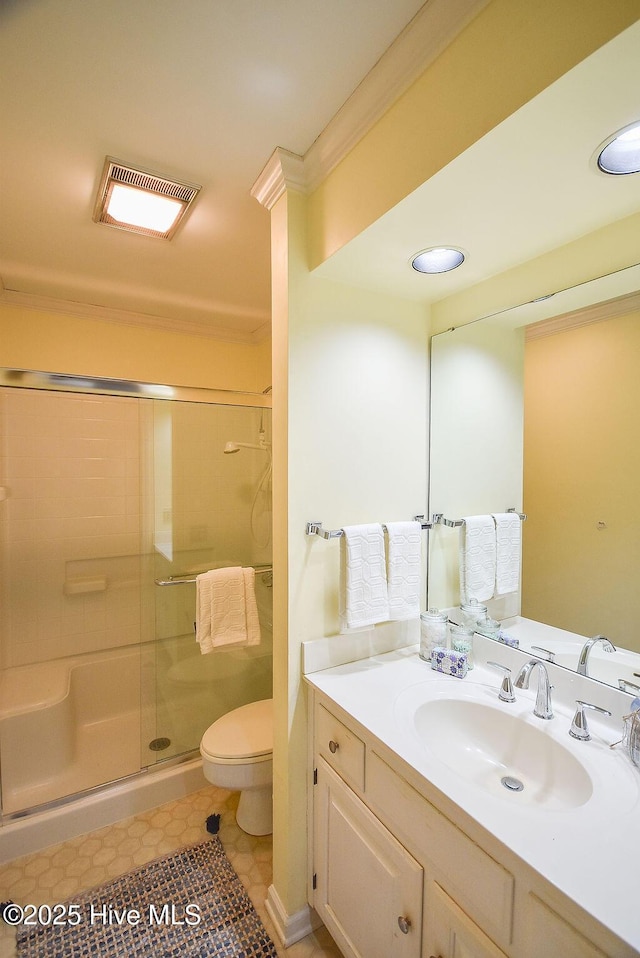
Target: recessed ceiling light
x,y
141,201
620,153
437,259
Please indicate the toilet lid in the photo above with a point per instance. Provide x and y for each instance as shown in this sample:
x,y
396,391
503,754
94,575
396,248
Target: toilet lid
x,y
245,732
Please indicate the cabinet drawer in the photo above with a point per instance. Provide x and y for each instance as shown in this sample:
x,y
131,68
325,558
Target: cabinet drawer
x,y
340,748
484,889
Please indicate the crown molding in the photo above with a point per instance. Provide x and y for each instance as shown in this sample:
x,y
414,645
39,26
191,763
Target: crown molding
x,y
597,313
284,171
433,28
193,327
424,38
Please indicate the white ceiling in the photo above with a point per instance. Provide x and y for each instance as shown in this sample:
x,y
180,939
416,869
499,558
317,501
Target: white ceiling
x,y
203,90
527,187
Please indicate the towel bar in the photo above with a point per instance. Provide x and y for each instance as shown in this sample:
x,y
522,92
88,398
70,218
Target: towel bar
x,y
184,579
315,528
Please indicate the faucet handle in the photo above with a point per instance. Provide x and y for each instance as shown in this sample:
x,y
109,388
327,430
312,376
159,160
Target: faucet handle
x,y
625,686
506,689
579,728
546,653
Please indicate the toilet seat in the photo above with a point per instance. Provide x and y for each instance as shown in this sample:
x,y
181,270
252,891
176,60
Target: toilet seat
x,y
245,734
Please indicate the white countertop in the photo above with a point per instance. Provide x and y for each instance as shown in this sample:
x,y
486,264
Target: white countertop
x,y
591,852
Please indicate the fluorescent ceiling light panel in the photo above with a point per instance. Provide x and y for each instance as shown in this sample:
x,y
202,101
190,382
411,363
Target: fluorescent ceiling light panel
x,y
141,201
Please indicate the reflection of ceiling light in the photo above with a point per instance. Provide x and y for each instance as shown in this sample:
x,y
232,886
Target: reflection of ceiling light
x,y
620,153
141,201
437,259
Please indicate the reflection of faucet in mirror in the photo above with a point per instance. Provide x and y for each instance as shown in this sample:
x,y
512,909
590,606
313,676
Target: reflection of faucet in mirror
x,y
586,649
542,707
576,550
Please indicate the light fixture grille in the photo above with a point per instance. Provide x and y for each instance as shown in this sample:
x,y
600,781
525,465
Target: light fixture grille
x,y
155,184
115,171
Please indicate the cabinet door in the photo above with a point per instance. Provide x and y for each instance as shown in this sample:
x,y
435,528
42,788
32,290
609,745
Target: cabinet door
x,y
450,933
368,887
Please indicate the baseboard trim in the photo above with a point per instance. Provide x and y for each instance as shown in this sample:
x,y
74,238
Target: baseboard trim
x,y
290,928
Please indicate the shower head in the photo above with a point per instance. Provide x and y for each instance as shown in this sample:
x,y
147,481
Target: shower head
x,y
237,446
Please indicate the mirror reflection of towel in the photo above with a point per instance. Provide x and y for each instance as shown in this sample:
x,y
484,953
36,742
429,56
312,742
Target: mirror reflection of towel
x,y
477,558
508,536
226,609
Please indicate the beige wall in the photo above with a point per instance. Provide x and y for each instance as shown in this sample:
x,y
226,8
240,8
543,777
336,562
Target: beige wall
x,y
56,342
581,467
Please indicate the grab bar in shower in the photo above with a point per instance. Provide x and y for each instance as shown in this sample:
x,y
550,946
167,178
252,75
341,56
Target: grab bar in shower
x,y
184,579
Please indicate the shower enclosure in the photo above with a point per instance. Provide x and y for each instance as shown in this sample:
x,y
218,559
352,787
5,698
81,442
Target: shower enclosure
x,y
111,502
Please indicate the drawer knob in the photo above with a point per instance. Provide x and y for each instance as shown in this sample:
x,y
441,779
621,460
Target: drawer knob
x,y
404,924
333,747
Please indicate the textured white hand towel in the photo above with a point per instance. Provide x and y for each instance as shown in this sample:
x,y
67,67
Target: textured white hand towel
x,y
363,577
403,569
508,533
477,558
226,610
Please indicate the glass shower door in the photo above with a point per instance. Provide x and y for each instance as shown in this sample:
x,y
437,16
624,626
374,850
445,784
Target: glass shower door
x,y
211,507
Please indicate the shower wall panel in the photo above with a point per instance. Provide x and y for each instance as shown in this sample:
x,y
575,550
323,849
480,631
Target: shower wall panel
x,y
72,532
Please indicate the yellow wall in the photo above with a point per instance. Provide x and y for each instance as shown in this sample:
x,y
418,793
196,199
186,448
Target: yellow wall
x,y
350,445
55,342
581,467
510,52
611,248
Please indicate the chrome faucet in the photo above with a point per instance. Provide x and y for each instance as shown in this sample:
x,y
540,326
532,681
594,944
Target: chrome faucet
x,y
542,708
586,649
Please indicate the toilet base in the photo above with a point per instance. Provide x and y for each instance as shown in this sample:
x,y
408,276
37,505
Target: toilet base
x,y
255,811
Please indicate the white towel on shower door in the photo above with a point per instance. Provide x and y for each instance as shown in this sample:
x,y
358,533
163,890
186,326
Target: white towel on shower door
x,y
403,569
477,558
226,609
508,536
363,577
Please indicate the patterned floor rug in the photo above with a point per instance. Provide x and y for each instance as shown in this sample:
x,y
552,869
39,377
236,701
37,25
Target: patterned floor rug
x,y
187,904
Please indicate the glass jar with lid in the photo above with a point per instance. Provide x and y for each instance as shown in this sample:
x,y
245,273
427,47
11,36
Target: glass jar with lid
x,y
470,612
461,640
433,632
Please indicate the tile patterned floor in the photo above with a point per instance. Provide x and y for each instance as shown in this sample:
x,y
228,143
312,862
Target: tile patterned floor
x,y
59,872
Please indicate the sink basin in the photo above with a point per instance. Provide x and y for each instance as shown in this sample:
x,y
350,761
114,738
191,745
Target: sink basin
x,y
503,753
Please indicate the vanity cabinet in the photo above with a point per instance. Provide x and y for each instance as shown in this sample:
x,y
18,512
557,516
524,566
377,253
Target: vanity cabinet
x,y
394,877
377,897
368,887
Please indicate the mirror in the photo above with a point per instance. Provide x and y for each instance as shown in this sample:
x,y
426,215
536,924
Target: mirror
x,y
536,408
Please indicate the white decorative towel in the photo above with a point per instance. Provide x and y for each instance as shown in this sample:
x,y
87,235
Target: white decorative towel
x,y
363,579
477,558
403,569
508,533
226,609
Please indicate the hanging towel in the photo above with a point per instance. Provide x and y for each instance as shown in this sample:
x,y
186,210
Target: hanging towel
x,y
403,569
363,578
477,558
508,533
226,609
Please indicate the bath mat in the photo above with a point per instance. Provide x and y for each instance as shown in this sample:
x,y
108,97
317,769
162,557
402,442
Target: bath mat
x,y
189,903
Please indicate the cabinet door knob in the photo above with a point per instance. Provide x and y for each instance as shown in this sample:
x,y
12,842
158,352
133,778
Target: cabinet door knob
x,y
333,746
404,924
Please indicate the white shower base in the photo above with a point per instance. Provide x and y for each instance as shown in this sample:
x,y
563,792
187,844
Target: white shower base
x,y
68,725
104,806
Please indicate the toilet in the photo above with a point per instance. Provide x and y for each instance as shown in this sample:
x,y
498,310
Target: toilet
x,y
237,753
